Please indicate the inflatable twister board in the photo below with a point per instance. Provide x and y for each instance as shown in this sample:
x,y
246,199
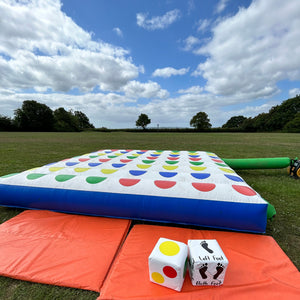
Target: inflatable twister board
x,y
183,187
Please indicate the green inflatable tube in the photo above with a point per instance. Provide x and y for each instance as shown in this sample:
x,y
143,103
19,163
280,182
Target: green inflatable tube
x,y
257,163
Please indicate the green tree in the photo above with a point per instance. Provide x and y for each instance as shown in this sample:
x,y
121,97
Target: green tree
x,y
6,123
83,120
34,116
65,120
293,125
143,121
234,122
200,121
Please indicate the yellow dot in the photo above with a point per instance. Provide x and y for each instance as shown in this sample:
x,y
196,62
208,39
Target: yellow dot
x,y
169,248
226,170
158,278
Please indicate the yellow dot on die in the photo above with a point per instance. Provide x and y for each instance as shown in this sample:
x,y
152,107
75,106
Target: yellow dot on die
x,y
158,278
169,248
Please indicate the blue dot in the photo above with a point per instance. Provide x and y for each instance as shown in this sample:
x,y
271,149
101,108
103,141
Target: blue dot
x,y
118,165
234,178
70,163
200,175
168,174
94,164
137,172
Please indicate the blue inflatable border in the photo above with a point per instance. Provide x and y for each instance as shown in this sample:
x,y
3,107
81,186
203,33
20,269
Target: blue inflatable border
x,y
237,216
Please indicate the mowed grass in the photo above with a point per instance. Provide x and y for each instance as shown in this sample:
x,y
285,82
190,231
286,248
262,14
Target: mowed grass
x,y
22,151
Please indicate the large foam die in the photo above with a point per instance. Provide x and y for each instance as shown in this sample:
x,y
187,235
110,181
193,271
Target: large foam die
x,y
167,263
207,262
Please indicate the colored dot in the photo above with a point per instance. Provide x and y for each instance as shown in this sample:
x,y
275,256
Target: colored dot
x,y
218,160
244,190
168,174
94,164
83,159
163,184
104,160
169,248
196,163
128,182
234,178
94,179
194,159
34,176
173,158
158,278
226,170
143,166
137,172
54,169
131,157
200,175
111,156
196,168
62,178
170,272
125,161
108,171
170,168
118,165
145,161
80,170
204,187
171,162
9,175
70,163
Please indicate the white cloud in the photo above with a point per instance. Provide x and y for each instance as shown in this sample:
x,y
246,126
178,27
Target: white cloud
x,y
158,22
169,71
294,92
150,89
190,43
196,89
221,6
41,47
118,31
253,50
203,25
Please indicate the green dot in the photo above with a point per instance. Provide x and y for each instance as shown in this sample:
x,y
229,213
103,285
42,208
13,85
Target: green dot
x,y
93,156
62,178
171,162
132,157
145,161
35,176
196,163
112,156
94,179
221,165
9,175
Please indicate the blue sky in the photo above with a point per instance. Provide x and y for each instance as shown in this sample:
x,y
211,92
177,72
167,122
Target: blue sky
x,y
114,60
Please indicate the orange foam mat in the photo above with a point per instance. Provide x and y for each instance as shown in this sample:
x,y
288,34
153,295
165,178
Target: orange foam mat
x,y
258,268
60,249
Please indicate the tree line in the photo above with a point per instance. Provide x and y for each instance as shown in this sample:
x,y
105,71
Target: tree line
x,y
283,117
34,116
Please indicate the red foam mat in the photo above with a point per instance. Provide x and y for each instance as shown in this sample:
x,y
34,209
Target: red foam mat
x,y
60,249
258,268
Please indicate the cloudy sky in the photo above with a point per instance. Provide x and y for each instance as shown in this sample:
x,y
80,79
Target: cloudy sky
x,y
116,59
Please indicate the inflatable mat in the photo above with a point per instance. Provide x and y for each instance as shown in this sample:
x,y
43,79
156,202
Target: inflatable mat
x,y
187,187
257,269
60,249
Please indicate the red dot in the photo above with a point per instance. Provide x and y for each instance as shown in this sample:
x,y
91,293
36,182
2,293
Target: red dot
x,y
194,159
128,182
83,159
245,190
164,184
173,158
104,159
204,187
125,161
170,272
217,160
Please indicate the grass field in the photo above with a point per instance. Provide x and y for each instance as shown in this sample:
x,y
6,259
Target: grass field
x,y
22,151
